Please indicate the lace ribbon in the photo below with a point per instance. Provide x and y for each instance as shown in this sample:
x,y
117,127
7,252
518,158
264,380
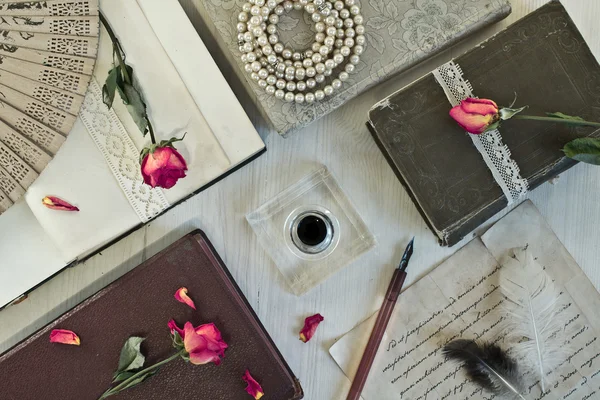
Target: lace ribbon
x,y
496,154
120,154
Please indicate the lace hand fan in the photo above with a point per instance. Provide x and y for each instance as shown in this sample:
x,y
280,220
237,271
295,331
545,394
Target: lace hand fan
x,y
47,55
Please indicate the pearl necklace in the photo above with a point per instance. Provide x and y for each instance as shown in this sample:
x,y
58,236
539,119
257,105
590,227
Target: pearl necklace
x,y
292,75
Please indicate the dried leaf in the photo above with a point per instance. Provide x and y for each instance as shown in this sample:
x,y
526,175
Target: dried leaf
x,y
123,376
136,108
131,355
109,88
586,150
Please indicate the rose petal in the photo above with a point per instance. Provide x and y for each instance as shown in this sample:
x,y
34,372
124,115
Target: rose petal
x,y
191,340
310,327
64,336
174,328
182,297
479,106
254,389
209,330
213,338
202,357
54,203
472,123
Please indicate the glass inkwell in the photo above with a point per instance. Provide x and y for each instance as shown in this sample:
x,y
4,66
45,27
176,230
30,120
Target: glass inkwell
x,y
311,230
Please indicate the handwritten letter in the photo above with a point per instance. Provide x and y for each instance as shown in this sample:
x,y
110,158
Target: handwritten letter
x,y
462,299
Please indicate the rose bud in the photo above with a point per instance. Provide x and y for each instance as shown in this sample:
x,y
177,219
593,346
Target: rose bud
x,y
476,115
253,388
54,203
182,297
65,337
162,165
310,327
203,344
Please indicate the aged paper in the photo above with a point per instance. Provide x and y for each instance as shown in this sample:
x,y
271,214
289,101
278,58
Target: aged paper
x,y
461,299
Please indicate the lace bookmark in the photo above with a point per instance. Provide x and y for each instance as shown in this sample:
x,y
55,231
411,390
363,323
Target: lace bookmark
x,y
496,154
120,154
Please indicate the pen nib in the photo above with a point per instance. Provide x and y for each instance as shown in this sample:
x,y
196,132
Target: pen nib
x,y
407,255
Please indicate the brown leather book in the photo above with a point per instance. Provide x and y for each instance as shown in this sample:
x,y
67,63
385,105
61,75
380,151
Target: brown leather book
x,y
544,60
141,303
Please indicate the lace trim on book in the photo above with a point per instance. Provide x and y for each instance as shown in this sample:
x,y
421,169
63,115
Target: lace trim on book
x,y
121,155
495,153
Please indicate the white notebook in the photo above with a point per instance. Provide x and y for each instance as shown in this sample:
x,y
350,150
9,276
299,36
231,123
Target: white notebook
x,y
95,169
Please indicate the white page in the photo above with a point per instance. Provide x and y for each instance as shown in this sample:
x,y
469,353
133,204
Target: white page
x,y
461,299
27,255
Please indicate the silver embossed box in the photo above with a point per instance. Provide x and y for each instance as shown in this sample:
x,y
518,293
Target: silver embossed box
x,y
400,34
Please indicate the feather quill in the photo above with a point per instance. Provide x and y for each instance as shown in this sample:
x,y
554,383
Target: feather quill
x,y
530,314
487,365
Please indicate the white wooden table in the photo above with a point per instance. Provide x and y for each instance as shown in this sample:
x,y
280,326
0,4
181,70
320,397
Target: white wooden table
x,y
342,142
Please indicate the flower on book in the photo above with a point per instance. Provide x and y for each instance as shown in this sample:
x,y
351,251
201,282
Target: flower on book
x,y
310,327
64,336
254,389
197,345
478,116
203,344
162,165
182,297
54,203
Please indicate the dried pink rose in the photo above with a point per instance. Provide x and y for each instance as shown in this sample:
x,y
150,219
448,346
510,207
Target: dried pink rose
x,y
310,327
64,336
203,344
181,295
254,389
476,115
54,203
163,165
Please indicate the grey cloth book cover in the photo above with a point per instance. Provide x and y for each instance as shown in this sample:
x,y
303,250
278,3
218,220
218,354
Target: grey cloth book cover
x,y
544,60
399,34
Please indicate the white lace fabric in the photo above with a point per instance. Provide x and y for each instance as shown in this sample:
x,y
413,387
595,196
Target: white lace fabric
x,y
495,153
120,154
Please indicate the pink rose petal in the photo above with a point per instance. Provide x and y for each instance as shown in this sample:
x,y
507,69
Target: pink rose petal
x,y
54,203
64,336
310,327
254,389
182,297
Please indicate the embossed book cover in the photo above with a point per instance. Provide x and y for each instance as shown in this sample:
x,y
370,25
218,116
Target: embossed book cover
x,y
545,60
399,34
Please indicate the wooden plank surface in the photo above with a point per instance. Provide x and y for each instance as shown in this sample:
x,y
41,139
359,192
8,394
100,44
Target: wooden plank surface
x,y
342,142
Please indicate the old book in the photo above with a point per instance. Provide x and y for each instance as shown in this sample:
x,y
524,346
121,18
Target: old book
x,y
544,60
399,33
141,303
461,299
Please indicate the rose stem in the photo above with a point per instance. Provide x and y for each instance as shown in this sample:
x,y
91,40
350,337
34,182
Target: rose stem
x,y
118,51
559,120
121,385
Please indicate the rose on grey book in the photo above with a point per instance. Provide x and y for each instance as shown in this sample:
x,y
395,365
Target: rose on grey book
x,y
478,116
435,159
